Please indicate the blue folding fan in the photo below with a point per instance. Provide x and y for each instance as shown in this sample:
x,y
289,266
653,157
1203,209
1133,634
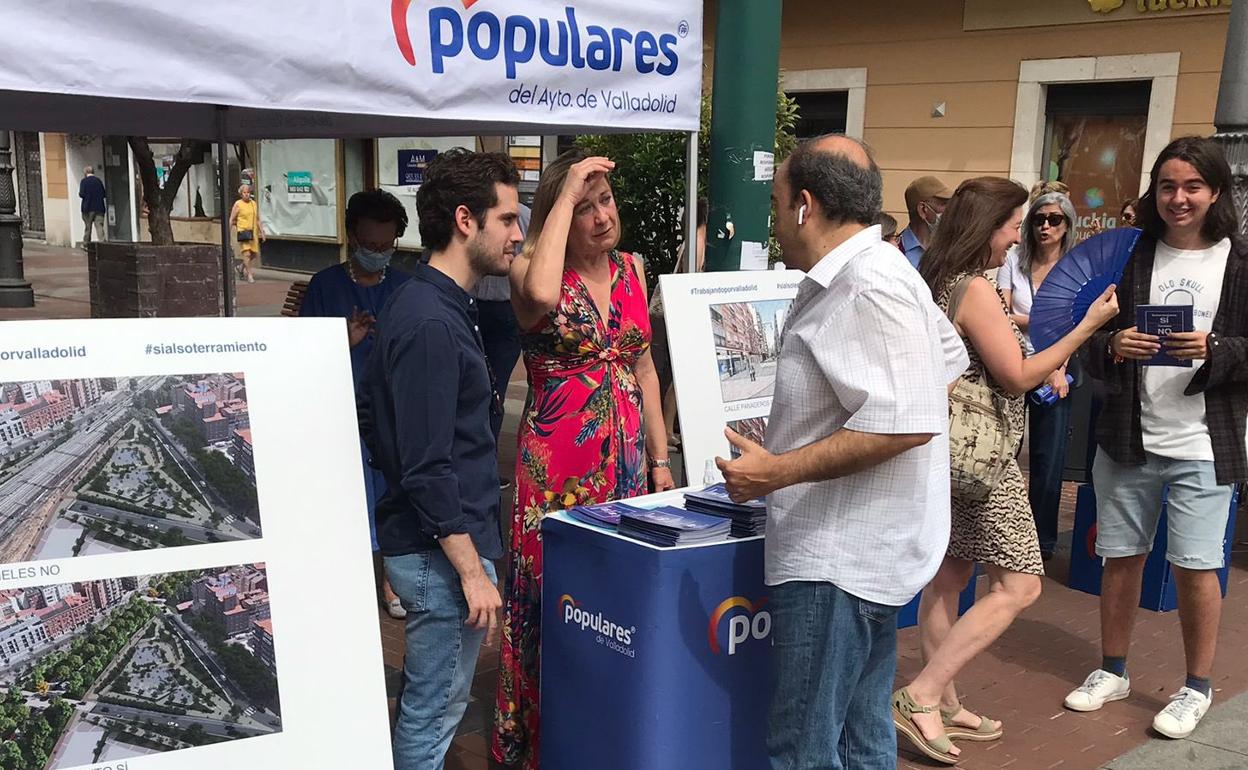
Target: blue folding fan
x,y
1076,281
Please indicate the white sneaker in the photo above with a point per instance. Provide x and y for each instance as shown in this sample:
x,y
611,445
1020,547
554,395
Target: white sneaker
x,y
1180,718
1098,689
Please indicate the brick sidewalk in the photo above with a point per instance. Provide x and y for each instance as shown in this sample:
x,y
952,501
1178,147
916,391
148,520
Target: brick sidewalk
x,y
1021,680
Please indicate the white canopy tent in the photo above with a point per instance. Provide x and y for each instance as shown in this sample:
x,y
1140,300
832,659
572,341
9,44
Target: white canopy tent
x,y
235,70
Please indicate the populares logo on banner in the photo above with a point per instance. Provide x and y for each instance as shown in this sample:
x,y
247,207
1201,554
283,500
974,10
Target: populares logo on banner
x,y
753,623
519,38
608,633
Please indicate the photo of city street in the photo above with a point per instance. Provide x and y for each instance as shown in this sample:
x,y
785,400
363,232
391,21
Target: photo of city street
x,y
748,336
105,465
108,669
753,428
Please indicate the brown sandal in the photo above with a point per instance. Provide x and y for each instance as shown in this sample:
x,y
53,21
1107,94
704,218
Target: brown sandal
x,y
985,731
904,709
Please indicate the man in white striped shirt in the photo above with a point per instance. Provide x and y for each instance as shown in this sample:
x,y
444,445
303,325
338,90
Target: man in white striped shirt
x,y
856,468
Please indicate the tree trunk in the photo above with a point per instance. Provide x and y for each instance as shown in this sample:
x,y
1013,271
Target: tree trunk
x,y
160,201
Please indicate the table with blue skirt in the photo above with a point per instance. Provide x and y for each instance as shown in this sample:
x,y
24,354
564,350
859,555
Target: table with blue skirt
x,y
656,658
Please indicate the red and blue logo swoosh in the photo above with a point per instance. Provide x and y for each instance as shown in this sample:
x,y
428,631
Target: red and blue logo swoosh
x,y
402,36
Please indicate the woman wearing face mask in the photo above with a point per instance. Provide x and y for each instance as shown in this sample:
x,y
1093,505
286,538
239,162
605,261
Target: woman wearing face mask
x,y
1048,234
585,334
979,226
357,290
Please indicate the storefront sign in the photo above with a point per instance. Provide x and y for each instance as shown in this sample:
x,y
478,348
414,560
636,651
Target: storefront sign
x,y
299,186
412,165
996,14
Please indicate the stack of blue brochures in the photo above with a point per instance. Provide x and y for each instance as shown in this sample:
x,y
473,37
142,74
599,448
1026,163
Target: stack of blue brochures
x,y
601,515
668,526
749,519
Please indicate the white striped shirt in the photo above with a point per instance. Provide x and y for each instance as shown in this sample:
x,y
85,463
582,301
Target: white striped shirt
x,y
866,349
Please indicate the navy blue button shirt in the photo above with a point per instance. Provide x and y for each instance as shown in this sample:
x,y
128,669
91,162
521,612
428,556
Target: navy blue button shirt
x,y
424,408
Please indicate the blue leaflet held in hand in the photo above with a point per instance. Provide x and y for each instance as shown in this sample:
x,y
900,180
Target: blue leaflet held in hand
x,y
1162,321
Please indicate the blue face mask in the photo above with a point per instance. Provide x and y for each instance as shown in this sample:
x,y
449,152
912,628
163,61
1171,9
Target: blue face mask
x,y
372,261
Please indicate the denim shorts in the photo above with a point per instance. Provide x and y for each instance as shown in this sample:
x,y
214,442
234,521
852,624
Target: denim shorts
x,y
1128,507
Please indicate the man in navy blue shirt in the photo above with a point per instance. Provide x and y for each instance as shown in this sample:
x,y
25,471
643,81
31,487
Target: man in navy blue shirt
x,y
91,190
425,410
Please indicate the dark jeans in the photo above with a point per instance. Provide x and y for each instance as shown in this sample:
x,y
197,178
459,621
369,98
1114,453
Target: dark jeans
x,y
834,658
501,335
1050,435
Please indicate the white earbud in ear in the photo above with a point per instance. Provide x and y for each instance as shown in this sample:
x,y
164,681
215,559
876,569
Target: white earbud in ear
x,y
801,214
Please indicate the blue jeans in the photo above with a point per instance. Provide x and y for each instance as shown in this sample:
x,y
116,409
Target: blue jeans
x,y
1050,434
500,334
834,658
441,657
1128,509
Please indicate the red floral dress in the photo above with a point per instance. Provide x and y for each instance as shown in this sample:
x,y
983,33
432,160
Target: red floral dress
x,y
581,440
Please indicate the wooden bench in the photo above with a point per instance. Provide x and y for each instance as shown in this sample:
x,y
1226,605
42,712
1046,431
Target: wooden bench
x,y
294,298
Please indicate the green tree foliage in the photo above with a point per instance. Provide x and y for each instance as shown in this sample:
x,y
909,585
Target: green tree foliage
x,y
231,483
245,670
11,756
649,182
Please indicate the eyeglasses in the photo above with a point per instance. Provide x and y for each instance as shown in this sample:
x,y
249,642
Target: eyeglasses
x,y
1053,219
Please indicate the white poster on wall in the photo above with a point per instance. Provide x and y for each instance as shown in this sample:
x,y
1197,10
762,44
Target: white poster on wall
x,y
390,151
185,572
725,334
298,193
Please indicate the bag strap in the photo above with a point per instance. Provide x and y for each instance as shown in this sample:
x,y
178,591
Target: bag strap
x,y
957,295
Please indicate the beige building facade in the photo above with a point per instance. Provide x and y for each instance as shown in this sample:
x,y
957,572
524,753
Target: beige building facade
x,y
1083,90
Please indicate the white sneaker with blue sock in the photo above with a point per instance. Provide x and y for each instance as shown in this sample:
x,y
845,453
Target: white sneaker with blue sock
x,y
1180,717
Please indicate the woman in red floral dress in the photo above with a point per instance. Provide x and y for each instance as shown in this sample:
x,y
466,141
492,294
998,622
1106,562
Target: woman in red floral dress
x,y
593,423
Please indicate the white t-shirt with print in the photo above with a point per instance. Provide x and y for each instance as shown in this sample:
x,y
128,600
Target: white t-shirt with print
x,y
1174,424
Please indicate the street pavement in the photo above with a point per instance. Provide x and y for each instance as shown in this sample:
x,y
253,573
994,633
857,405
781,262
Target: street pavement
x,y
59,278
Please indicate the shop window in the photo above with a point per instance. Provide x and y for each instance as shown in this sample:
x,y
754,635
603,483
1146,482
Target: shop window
x,y
821,112
298,187
1094,143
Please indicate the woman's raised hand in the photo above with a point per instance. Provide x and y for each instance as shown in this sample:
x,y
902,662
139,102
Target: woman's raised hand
x,y
582,176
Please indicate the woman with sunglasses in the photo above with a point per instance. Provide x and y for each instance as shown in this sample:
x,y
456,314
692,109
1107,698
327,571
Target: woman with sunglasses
x,y
1048,233
1127,215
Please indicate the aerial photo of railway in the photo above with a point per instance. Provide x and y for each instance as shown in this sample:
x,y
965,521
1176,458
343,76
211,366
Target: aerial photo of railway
x,y
112,464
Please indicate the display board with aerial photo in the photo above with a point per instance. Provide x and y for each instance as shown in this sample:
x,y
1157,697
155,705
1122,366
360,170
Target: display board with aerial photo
x,y
174,596
100,465
724,360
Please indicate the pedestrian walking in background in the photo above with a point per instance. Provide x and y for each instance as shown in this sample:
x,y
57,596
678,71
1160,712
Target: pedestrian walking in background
x,y
94,208
248,231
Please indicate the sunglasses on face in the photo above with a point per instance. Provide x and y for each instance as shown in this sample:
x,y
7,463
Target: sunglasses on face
x,y
1053,219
